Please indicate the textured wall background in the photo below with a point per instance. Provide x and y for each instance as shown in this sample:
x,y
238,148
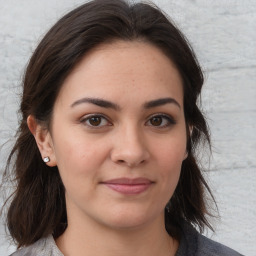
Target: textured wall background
x,y
222,33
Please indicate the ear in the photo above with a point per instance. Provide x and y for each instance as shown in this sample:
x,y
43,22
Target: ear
x,y
185,155
43,139
190,129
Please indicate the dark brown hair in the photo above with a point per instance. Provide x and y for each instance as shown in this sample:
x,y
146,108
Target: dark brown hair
x,y
37,206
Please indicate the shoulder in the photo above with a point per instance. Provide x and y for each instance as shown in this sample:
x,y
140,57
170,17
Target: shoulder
x,y
209,247
44,246
193,243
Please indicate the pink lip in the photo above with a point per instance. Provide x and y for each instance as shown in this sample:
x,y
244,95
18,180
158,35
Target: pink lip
x,y
128,186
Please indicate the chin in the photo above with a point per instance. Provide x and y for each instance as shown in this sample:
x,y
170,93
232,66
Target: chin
x,y
129,219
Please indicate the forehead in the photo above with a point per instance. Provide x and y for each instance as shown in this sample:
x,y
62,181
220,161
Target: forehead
x,y
124,68
134,55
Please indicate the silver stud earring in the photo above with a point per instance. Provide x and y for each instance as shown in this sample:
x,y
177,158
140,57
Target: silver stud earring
x,y
46,159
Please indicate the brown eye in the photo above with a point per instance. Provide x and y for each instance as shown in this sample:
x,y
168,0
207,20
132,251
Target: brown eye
x,y
161,121
95,121
156,121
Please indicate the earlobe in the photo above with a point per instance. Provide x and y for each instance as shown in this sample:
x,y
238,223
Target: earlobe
x,y
185,155
43,140
189,135
191,128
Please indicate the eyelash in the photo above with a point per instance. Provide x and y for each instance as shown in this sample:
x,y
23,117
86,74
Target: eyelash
x,y
169,121
90,117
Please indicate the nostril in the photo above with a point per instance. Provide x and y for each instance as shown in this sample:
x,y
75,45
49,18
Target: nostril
x,y
130,163
130,156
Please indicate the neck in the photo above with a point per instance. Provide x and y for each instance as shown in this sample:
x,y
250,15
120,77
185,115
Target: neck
x,y
86,238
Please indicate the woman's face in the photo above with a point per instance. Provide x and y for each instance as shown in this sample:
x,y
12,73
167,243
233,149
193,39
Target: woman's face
x,y
118,135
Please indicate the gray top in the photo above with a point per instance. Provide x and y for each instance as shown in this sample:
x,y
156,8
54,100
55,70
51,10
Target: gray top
x,y
43,247
192,244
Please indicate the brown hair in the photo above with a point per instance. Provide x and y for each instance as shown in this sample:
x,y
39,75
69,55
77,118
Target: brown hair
x,y
37,206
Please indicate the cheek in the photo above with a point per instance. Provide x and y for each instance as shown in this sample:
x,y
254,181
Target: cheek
x,y
79,169
170,167
171,152
79,157
170,156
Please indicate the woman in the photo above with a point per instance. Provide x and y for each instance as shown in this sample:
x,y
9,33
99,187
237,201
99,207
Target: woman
x,y
105,159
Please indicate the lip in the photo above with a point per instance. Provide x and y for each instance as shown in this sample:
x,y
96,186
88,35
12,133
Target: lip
x,y
129,186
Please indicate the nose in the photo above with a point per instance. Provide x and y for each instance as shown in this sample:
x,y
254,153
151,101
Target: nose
x,y
130,148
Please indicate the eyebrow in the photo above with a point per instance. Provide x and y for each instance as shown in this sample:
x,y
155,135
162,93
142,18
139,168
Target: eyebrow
x,y
99,102
108,104
160,102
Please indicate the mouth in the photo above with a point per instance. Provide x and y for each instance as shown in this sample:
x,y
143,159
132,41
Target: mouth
x,y
129,186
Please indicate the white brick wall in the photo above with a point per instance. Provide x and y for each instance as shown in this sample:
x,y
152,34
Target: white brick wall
x,y
223,34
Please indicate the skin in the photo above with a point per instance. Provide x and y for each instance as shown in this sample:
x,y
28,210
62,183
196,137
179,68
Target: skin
x,y
130,139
